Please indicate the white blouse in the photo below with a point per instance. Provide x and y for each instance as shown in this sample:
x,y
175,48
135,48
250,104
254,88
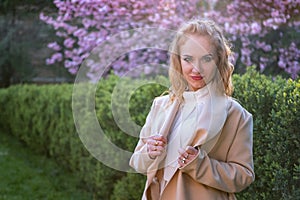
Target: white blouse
x,y
202,114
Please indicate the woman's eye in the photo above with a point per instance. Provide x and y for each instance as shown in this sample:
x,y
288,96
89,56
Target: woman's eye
x,y
187,60
206,59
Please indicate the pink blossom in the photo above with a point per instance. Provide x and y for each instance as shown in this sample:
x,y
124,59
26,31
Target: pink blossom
x,y
54,46
267,48
80,32
281,64
262,67
49,61
255,28
84,24
69,42
61,34
73,70
57,57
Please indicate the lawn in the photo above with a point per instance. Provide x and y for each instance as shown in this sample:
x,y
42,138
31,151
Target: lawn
x,y
25,175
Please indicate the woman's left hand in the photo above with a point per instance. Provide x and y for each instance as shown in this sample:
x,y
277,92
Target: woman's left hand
x,y
185,156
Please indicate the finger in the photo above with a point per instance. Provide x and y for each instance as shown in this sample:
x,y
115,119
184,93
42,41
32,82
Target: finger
x,y
160,138
157,143
155,153
181,162
160,148
182,154
186,155
152,147
191,150
152,141
156,148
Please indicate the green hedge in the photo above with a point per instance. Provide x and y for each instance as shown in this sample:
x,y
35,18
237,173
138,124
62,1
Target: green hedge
x,y
41,116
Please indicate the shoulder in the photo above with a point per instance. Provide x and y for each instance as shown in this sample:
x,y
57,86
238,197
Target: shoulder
x,y
161,100
239,117
236,109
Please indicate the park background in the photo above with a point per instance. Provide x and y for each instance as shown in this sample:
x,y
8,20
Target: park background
x,y
43,43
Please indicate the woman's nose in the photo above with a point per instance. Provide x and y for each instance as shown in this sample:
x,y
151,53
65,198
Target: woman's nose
x,y
196,67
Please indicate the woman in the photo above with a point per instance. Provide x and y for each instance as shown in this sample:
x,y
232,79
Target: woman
x,y
197,141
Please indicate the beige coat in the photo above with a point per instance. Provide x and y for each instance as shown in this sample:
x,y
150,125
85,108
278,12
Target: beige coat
x,y
226,169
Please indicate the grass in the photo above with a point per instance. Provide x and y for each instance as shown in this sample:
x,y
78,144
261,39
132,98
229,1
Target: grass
x,y
25,175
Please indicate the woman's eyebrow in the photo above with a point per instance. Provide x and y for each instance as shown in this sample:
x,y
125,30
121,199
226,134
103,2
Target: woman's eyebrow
x,y
209,54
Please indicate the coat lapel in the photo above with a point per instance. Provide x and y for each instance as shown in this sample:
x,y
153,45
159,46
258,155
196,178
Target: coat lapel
x,y
206,127
166,116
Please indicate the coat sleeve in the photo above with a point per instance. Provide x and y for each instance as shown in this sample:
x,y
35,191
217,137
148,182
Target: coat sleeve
x,y
234,174
140,160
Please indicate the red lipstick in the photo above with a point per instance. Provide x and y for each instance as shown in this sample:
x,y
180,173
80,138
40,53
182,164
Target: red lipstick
x,y
197,78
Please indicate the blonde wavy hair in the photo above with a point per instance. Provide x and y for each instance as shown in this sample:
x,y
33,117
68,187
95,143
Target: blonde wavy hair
x,y
201,27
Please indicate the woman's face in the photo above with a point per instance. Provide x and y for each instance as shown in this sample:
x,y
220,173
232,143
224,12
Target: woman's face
x,y
198,61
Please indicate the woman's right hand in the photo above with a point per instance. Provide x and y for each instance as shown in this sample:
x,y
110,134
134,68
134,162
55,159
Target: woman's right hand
x,y
156,145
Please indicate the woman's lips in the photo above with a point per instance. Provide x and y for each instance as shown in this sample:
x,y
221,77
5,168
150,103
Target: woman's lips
x,y
197,78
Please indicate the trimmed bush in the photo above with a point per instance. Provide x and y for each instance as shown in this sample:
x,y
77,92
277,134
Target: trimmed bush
x,y
41,116
263,97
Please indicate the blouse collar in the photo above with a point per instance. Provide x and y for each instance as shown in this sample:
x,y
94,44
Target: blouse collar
x,y
198,95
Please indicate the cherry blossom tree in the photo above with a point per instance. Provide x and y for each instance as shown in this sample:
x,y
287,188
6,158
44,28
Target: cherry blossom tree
x,y
263,33
84,24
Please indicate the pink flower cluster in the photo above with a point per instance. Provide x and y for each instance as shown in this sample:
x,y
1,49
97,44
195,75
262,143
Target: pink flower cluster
x,y
289,59
267,30
85,24
262,28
